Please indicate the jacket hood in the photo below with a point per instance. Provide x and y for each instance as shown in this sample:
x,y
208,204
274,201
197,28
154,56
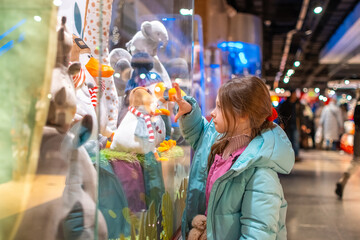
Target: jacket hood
x,y
270,149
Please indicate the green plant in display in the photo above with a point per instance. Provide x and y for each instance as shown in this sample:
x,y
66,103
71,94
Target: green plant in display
x,y
111,155
142,226
150,223
180,198
168,216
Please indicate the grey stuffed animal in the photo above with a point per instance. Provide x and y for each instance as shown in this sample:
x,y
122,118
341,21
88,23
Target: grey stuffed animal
x,y
147,40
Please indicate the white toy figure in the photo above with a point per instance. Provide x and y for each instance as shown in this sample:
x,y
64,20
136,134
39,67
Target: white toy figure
x,y
87,88
147,40
140,131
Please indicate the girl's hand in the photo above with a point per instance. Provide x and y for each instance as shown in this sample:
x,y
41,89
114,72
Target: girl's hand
x,y
184,106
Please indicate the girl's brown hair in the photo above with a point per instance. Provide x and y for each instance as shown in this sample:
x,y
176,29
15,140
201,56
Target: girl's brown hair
x,y
246,96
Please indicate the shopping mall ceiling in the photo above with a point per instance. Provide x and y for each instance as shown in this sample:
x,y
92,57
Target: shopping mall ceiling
x,y
326,48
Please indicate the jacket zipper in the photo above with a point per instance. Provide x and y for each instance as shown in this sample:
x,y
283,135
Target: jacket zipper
x,y
220,180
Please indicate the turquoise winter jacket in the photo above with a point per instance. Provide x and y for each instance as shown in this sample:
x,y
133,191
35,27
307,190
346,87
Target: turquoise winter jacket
x,y
247,202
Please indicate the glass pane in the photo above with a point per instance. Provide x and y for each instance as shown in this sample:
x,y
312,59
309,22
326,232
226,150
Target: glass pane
x,y
48,182
89,145
25,82
150,45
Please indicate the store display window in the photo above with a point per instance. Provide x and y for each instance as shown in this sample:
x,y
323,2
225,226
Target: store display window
x,y
90,148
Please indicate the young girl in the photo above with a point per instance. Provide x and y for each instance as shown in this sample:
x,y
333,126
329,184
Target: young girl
x,y
234,191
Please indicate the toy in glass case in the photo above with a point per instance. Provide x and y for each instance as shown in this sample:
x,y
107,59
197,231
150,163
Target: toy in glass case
x,y
64,167
87,87
139,168
142,154
94,30
148,39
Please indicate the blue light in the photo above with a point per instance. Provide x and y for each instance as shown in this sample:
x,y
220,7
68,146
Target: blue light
x,y
226,45
222,45
168,19
214,65
231,44
21,37
6,47
239,45
243,58
12,28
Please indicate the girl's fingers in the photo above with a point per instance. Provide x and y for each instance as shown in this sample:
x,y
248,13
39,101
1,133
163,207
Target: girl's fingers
x,y
178,90
177,117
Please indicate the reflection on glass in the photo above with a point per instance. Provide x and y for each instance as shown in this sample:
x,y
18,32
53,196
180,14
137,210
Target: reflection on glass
x,y
110,162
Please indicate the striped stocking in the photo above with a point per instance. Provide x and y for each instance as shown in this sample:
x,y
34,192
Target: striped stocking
x,y
93,93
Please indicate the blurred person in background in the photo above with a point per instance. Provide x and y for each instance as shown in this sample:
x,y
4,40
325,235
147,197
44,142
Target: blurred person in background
x,y
355,162
291,113
318,127
344,112
307,127
331,121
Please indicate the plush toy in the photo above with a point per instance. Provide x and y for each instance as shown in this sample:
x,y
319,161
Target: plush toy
x,y
87,87
80,192
92,31
198,232
120,61
142,63
141,130
65,181
148,39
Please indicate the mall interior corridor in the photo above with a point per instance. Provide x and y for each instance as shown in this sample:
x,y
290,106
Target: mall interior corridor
x,y
314,211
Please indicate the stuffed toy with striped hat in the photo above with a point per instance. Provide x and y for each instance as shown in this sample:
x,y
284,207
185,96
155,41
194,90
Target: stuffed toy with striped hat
x,y
141,130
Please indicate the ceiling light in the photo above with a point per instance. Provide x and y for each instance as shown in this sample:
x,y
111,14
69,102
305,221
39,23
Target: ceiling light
x,y
186,12
267,23
308,32
297,63
318,10
290,72
286,79
346,82
57,3
305,90
349,97
317,90
37,18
